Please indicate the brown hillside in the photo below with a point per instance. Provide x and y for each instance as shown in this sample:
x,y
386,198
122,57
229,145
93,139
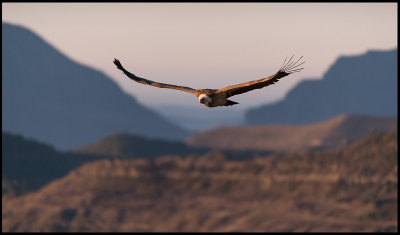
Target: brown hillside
x,y
336,132
352,189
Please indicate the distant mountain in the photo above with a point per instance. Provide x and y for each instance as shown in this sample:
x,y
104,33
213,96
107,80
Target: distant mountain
x,y
335,132
364,84
196,118
125,145
49,97
353,189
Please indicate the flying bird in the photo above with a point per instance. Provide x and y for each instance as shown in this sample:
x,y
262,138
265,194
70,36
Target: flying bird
x,y
219,97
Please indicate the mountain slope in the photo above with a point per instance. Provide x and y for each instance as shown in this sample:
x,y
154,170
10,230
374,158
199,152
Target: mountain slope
x,y
353,189
124,145
28,165
334,132
364,84
49,97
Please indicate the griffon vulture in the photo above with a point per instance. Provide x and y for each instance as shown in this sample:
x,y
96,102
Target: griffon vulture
x,y
219,97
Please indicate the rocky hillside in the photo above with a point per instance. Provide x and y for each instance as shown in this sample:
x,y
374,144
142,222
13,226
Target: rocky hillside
x,y
51,98
335,132
365,84
351,189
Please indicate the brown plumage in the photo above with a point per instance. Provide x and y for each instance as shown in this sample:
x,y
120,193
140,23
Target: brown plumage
x,y
218,97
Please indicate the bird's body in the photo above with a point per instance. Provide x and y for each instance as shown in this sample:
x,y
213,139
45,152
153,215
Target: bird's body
x,y
211,98
219,97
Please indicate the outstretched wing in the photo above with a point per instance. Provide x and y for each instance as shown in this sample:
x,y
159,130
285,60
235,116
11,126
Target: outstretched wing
x,y
286,69
151,83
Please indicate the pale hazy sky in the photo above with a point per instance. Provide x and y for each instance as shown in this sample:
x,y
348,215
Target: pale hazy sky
x,y
208,45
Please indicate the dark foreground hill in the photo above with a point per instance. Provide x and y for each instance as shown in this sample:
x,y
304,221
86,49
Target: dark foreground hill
x,y
123,145
364,84
49,97
335,132
28,164
351,189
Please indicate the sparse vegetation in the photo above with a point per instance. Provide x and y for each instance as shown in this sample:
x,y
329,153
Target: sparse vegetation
x,y
304,192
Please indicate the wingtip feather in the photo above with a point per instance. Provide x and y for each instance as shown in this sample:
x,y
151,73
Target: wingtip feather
x,y
292,66
118,64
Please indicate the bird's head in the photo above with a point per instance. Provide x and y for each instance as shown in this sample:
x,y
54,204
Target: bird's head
x,y
204,99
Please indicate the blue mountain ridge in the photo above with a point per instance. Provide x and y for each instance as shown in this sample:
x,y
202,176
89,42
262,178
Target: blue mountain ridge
x,y
49,97
365,84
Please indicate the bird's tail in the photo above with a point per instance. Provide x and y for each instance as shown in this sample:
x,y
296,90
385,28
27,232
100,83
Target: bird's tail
x,y
230,102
